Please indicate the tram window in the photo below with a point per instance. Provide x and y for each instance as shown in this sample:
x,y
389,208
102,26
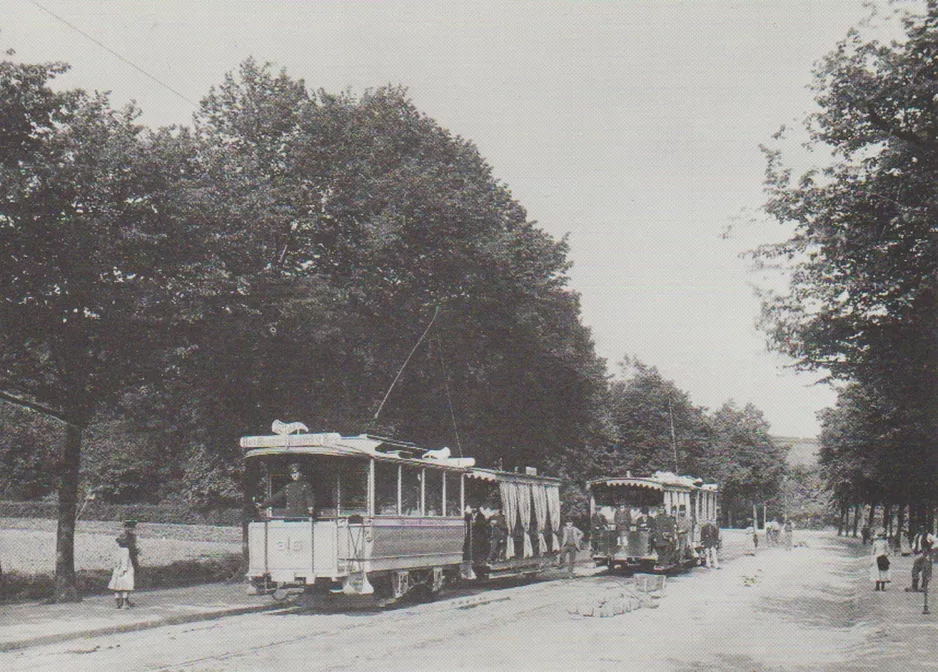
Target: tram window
x,y
353,487
433,492
410,490
326,484
453,482
386,489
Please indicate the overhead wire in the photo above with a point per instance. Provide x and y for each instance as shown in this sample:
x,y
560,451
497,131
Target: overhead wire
x,y
406,362
449,398
114,53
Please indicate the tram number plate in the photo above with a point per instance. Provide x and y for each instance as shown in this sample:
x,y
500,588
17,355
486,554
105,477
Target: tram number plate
x,y
290,545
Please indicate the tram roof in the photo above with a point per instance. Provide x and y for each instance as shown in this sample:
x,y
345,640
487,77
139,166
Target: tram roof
x,y
660,480
379,447
362,445
495,476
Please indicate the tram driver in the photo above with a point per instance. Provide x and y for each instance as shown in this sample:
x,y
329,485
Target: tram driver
x,y
297,496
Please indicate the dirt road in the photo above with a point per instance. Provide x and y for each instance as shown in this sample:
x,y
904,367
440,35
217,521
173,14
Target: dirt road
x,y
811,608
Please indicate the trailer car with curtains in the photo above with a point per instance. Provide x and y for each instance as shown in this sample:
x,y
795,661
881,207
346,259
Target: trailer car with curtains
x,y
390,517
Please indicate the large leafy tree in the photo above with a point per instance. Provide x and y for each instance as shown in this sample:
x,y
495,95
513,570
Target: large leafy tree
x,y
339,226
863,295
87,260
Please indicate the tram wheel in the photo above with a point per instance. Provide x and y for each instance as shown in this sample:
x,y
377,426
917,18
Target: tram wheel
x,y
282,594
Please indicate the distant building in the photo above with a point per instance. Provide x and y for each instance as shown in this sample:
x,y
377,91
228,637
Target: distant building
x,y
801,452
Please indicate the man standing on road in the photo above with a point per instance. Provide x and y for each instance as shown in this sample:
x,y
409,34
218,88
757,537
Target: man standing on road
x,y
922,546
710,538
569,545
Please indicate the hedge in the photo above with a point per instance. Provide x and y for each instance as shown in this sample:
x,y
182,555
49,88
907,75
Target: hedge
x,y
179,514
18,587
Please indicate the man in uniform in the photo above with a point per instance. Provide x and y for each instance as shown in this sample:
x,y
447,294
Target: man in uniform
x,y
297,495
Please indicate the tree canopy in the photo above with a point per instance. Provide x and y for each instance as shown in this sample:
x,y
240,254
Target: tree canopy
x,y
863,259
169,290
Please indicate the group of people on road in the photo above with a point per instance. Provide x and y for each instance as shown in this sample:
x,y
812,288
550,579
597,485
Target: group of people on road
x,y
776,534
922,548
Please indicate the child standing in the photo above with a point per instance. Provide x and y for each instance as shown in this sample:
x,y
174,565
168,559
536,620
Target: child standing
x,y
122,578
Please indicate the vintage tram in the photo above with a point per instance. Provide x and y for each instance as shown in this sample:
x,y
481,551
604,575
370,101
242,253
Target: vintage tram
x,y
390,517
650,523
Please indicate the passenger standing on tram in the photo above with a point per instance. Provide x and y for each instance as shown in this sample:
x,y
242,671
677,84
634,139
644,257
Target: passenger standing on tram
x,y
498,536
684,532
480,536
297,495
569,545
665,538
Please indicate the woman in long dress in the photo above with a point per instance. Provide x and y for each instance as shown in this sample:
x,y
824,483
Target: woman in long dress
x,y
122,578
879,566
752,538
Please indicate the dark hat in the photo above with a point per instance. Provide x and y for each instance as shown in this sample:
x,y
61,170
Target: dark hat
x,y
130,523
296,465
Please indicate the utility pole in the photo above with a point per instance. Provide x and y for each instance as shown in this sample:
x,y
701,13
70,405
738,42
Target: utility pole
x,y
673,436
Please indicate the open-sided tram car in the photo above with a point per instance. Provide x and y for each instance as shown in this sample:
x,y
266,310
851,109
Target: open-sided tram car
x,y
390,517
652,539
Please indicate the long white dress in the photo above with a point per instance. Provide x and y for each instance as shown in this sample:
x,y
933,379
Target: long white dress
x,y
880,547
122,578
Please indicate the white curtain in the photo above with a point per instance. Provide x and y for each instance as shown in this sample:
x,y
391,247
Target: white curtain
x,y
523,491
509,510
553,498
540,514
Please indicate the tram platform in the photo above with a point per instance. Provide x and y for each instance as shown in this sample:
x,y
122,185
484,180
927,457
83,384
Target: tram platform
x,y
24,625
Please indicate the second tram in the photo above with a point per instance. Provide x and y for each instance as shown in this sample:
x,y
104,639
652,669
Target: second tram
x,y
650,523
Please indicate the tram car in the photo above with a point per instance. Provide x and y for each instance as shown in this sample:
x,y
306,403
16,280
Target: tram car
x,y
368,515
650,523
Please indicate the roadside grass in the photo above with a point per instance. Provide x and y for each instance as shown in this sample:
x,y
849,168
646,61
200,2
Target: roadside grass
x,y
171,556
19,587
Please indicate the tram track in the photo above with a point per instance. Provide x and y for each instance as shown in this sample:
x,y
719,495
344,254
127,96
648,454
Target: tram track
x,y
326,642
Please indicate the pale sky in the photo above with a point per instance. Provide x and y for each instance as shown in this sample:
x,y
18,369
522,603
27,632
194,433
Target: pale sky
x,y
632,126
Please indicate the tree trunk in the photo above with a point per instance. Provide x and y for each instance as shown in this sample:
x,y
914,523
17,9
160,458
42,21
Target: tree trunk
x,y
887,519
66,587
900,525
856,519
840,520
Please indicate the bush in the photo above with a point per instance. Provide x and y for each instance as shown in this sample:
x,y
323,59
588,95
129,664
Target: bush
x,y
176,513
